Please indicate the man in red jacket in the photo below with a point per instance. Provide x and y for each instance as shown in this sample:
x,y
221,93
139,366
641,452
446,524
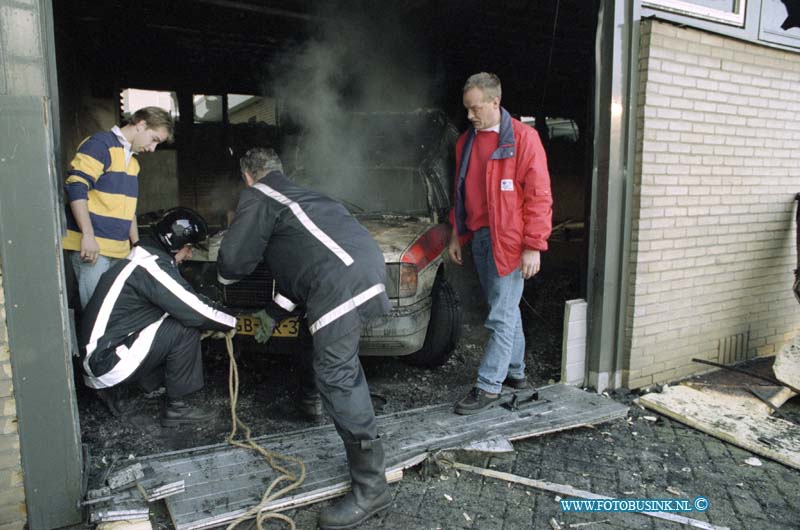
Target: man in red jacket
x,y
502,200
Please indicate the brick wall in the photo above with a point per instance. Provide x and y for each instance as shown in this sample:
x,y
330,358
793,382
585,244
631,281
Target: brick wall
x,y
12,493
717,168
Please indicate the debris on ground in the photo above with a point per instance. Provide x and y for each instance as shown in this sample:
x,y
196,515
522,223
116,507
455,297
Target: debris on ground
x,y
753,461
575,493
735,407
126,497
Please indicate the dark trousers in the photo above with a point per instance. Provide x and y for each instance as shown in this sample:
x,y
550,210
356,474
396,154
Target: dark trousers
x,y
343,387
174,360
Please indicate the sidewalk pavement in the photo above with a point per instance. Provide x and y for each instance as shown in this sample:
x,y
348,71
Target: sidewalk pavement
x,y
633,458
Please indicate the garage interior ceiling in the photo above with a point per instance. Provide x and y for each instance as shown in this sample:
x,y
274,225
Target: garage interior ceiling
x,y
543,50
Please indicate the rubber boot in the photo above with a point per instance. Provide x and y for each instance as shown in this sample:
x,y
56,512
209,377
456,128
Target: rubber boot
x,y
369,494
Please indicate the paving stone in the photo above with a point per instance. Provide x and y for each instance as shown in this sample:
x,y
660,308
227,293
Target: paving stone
x,y
400,521
407,498
517,518
505,492
771,498
628,481
762,524
488,521
724,518
527,469
604,486
449,516
746,504
716,449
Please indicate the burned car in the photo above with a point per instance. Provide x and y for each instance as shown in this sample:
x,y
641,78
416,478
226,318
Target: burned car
x,y
395,180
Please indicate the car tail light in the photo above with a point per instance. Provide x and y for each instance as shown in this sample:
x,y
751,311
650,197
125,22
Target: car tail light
x,y
408,280
401,280
427,247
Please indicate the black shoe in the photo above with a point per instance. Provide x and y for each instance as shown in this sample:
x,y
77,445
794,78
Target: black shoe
x,y
369,495
477,401
311,407
115,400
181,413
517,384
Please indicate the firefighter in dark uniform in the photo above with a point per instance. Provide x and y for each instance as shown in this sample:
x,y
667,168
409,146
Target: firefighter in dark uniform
x,y
325,261
143,322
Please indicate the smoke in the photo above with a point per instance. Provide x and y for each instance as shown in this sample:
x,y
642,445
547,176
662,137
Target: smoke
x,y
358,62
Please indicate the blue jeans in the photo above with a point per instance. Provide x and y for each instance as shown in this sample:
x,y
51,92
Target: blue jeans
x,y
88,274
505,350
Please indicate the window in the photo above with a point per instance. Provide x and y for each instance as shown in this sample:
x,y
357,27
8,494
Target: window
x,y
558,129
726,11
207,109
133,99
243,108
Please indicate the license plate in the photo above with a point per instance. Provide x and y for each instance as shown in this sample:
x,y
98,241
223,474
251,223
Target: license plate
x,y
286,328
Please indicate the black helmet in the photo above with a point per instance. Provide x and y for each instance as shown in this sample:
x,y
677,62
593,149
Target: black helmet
x,y
180,226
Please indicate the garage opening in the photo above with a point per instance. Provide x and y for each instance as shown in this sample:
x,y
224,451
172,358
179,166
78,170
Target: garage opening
x,y
363,103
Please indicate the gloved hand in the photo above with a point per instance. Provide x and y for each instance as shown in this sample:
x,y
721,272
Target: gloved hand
x,y
217,334
266,325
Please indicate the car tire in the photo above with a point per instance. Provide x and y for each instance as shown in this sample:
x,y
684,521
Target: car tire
x,y
444,328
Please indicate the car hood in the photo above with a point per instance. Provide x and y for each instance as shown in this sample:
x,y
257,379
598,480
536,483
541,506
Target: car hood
x,y
395,234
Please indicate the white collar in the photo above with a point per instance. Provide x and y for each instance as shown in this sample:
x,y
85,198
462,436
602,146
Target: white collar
x,y
493,128
126,145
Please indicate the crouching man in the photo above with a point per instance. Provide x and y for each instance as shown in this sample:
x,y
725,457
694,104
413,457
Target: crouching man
x,y
143,321
324,260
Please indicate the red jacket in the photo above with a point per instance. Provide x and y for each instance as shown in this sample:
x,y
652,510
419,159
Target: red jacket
x,y
517,192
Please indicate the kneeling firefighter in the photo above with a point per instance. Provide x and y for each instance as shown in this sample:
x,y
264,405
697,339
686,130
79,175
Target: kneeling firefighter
x,y
143,322
327,262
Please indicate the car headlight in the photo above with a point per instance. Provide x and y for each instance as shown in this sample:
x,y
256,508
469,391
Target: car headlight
x,y
401,280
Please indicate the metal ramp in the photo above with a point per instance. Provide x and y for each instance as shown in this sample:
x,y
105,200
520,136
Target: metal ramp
x,y
222,482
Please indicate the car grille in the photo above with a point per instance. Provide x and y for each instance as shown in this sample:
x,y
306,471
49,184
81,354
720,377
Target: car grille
x,y
253,291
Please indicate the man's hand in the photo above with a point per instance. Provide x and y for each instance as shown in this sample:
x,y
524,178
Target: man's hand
x,y
89,248
454,249
531,261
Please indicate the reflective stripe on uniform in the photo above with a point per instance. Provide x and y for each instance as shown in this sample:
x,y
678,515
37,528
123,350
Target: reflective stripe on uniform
x,y
346,307
129,358
186,296
307,223
284,302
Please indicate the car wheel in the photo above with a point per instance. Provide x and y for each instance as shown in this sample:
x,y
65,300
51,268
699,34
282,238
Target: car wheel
x,y
444,327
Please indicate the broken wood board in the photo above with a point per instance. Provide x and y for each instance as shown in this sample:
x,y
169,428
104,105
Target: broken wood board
x,y
740,420
776,395
787,364
222,482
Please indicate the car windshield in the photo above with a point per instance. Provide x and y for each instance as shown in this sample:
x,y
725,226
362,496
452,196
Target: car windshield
x,y
376,165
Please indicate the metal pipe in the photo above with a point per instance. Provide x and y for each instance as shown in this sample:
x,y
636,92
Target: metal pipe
x,y
742,371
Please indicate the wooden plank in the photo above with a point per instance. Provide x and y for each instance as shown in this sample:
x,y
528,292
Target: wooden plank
x,y
740,420
222,481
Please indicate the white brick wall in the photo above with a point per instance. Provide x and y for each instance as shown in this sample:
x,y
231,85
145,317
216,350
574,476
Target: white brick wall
x,y
717,168
12,493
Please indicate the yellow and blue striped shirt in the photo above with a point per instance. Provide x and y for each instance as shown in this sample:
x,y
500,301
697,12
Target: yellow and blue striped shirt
x,y
107,177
